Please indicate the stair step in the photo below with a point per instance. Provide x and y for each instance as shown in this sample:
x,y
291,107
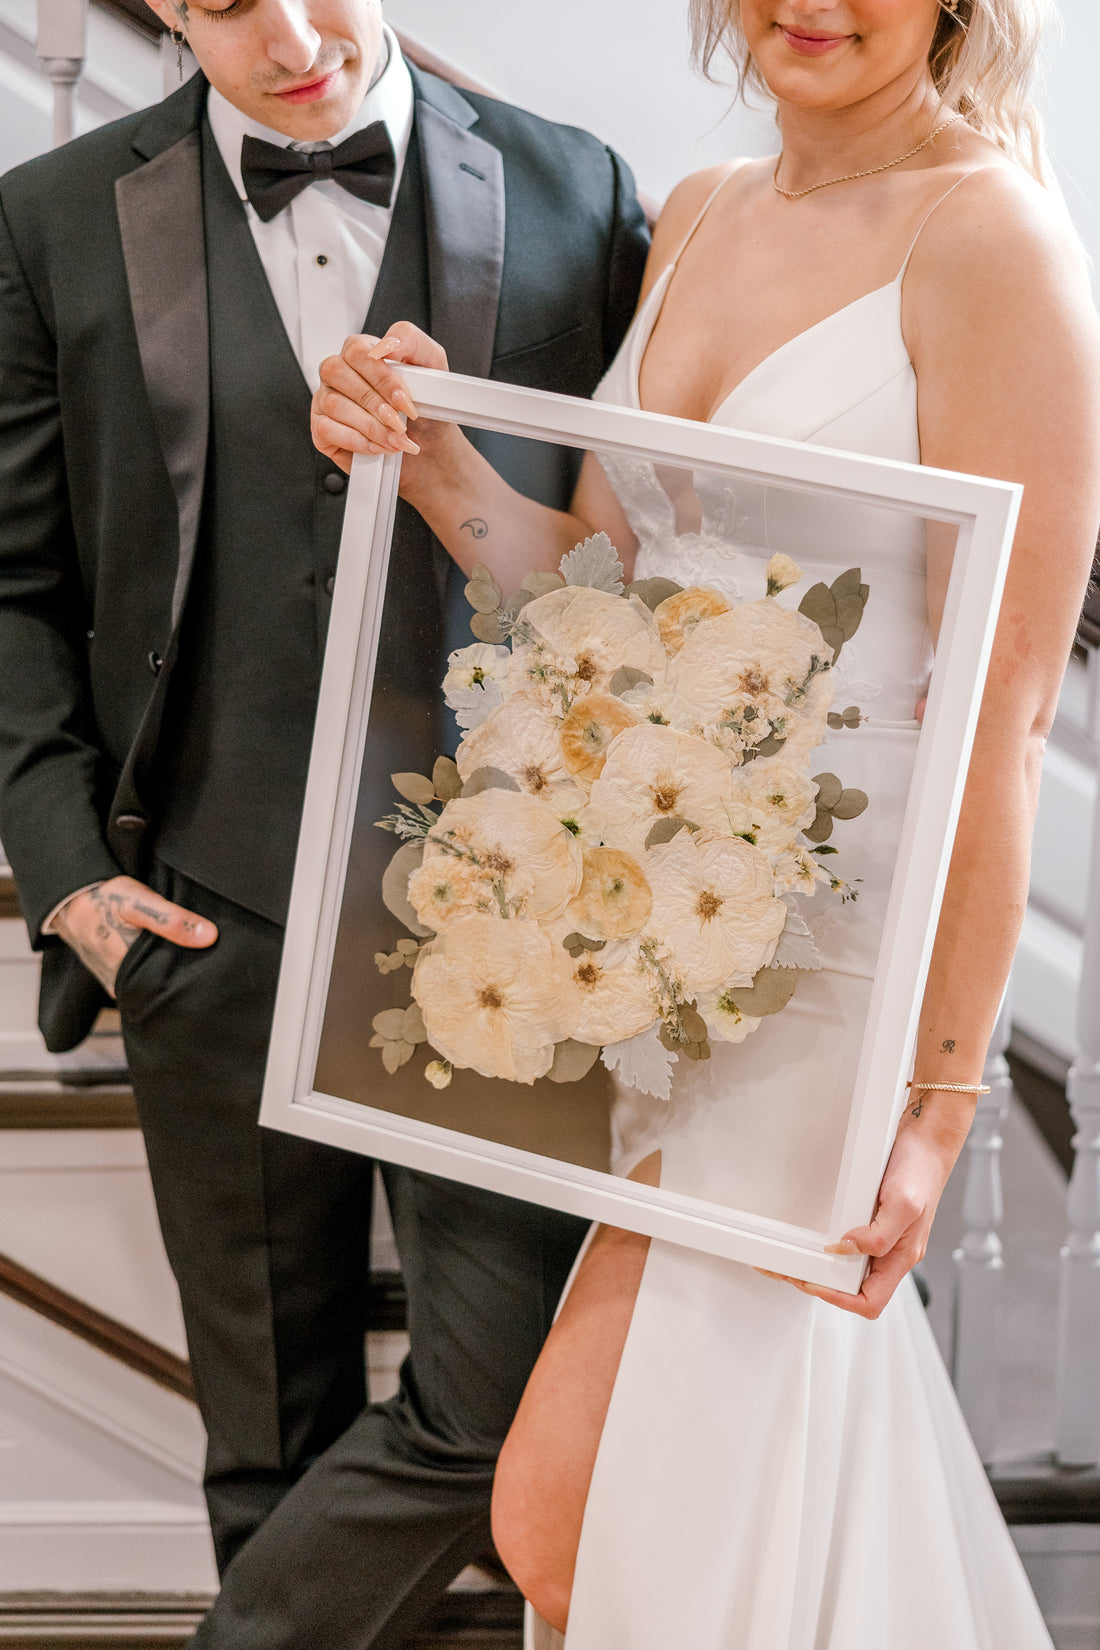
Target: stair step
x,y
1038,1491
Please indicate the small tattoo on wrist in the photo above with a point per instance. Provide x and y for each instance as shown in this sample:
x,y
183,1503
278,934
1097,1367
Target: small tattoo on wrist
x,y
477,526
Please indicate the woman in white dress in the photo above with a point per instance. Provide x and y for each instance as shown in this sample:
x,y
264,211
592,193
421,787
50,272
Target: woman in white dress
x,y
706,1456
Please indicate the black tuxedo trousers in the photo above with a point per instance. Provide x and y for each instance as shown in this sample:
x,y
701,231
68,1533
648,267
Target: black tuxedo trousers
x,y
163,605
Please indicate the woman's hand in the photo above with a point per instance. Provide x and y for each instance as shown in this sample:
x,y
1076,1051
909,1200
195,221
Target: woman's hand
x,y
897,1236
362,406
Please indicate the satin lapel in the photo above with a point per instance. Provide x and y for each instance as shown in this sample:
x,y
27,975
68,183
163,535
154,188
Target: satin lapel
x,y
464,204
160,216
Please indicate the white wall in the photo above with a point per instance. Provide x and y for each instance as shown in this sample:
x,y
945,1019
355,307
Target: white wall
x,y
620,68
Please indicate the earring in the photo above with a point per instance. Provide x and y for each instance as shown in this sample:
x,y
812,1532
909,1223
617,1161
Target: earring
x,y
178,38
950,6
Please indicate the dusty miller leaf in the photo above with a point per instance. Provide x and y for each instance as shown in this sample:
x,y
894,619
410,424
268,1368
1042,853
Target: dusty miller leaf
x,y
642,1063
594,563
796,948
572,1061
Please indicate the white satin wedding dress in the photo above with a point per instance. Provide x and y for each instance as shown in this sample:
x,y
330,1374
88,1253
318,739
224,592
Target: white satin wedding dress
x,y
775,1474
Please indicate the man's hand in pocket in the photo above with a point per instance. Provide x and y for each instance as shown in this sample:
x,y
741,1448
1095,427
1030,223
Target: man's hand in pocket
x,y
101,923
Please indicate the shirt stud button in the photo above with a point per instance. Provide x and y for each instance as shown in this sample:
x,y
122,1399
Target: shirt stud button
x,y
321,259
155,663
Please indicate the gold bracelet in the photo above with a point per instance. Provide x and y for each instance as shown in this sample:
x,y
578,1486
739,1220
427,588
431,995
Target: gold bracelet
x,y
950,1088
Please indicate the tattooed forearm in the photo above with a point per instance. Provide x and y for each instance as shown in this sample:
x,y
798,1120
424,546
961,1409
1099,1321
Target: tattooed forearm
x,y
477,526
947,1046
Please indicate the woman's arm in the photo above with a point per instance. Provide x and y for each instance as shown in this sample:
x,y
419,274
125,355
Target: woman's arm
x,y
1004,338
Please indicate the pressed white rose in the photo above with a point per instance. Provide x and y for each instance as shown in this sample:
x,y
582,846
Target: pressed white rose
x,y
446,887
616,995
678,615
796,871
754,666
496,997
593,632
781,572
587,731
585,823
654,773
521,739
724,1018
613,900
773,799
519,842
476,666
714,907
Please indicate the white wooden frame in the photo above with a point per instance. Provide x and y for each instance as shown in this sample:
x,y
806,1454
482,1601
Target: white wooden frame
x,y
985,515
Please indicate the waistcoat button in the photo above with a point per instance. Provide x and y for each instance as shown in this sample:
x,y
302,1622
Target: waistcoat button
x,y
155,662
330,584
335,482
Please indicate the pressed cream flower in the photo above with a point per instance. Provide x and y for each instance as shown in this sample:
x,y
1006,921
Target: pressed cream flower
x,y
614,900
724,1018
595,632
678,615
447,887
496,997
520,739
760,666
585,823
781,572
714,908
616,995
656,702
588,729
476,666
654,773
515,840
773,799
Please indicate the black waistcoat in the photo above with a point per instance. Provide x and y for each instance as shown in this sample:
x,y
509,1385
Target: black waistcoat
x,y
234,753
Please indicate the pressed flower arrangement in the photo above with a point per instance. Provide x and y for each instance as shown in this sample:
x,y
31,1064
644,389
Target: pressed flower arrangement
x,y
615,862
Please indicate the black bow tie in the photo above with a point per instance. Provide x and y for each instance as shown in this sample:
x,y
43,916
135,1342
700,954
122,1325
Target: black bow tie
x,y
364,164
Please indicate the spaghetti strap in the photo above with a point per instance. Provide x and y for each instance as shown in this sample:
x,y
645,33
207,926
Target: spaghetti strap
x,y
900,276
701,214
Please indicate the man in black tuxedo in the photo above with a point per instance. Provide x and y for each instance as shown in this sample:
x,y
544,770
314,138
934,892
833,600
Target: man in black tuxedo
x,y
168,539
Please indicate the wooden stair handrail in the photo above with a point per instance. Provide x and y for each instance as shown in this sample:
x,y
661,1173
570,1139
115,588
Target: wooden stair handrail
x,y
127,1346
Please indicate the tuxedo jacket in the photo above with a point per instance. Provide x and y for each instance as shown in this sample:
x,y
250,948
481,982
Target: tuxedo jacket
x,y
130,294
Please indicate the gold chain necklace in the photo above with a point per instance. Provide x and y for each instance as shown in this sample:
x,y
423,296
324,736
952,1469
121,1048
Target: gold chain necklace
x,y
850,177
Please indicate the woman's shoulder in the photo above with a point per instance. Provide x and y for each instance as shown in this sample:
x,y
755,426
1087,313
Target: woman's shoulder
x,y
679,214
997,231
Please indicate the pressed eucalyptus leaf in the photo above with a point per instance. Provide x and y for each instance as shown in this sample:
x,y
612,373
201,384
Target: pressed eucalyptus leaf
x,y
627,677
445,779
822,828
769,746
665,829
414,787
394,1055
695,1027
390,1024
488,628
488,779
670,1040
541,584
834,720
395,886
819,606
834,638
413,1029
825,849
771,990
572,1061
850,806
653,591
696,1051
483,588
829,789
849,615
851,716
848,583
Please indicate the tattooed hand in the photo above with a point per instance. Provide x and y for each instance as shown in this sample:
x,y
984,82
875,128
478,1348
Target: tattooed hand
x,y
102,922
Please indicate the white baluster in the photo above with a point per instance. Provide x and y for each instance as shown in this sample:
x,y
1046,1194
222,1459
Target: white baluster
x,y
979,1263
62,34
1078,1424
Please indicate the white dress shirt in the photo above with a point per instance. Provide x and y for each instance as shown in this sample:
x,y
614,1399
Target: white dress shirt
x,y
323,252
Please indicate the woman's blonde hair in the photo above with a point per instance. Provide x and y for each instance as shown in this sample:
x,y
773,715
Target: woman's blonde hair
x,y
983,60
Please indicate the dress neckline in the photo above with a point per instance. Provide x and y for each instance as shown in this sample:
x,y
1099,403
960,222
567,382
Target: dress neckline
x,y
655,303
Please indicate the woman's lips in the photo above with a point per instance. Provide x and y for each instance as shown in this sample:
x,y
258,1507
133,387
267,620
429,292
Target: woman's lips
x,y
310,93
813,45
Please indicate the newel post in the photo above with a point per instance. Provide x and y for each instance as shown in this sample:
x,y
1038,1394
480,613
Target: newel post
x,y
61,45
979,1261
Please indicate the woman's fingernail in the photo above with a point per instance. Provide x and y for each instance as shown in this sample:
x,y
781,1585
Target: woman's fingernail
x,y
844,1246
393,420
384,347
404,402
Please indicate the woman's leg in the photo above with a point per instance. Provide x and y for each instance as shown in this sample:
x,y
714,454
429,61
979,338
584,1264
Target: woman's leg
x,y
546,1464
